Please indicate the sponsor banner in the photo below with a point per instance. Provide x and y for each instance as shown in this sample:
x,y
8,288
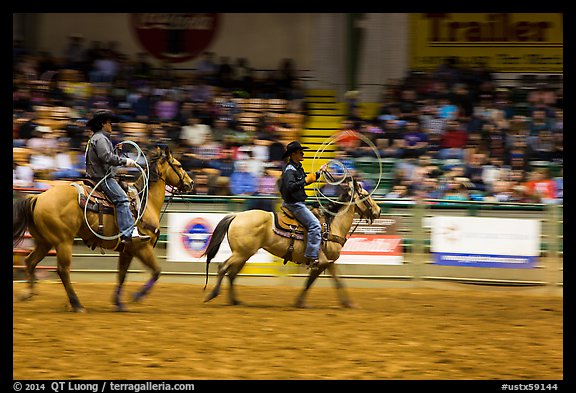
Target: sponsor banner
x,y
189,234
175,37
372,250
77,89
506,42
387,225
485,242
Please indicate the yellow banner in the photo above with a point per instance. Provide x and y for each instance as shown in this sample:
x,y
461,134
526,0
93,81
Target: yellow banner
x,y
519,42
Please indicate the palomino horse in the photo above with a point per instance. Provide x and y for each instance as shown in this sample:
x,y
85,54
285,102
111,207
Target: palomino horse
x,y
252,230
54,218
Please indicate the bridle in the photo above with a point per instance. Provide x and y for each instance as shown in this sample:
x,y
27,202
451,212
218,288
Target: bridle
x,y
176,170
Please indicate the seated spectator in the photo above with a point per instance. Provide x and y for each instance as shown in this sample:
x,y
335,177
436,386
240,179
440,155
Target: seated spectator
x,y
43,162
539,122
541,147
347,138
398,191
225,166
456,190
475,169
220,130
434,141
67,165
446,109
266,188
501,191
166,108
203,156
494,171
453,141
22,175
540,187
430,118
495,139
518,159
560,186
415,141
558,150
194,133
242,181
390,143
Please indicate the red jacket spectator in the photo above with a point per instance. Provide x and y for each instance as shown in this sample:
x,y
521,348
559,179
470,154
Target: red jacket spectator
x,y
453,137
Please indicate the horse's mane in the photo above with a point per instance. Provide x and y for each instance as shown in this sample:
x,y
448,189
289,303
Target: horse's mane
x,y
153,156
335,206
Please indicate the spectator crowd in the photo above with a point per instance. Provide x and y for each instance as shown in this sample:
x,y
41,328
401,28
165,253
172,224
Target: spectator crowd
x,y
456,133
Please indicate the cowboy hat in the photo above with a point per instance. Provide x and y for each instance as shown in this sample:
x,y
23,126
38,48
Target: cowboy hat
x,y
100,116
292,147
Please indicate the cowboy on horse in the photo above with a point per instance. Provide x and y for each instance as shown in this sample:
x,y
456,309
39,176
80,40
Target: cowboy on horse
x,y
292,183
100,163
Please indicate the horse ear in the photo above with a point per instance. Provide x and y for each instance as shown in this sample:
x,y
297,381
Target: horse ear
x,y
167,152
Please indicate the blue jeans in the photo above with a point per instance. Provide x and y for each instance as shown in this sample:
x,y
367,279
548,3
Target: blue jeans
x,y
119,198
309,220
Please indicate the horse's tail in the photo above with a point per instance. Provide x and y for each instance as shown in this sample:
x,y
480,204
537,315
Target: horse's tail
x,y
22,217
216,240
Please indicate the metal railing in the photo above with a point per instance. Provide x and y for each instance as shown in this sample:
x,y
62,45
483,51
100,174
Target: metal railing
x,y
417,267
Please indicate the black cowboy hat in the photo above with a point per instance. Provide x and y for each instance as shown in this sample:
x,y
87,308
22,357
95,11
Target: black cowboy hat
x,y
101,116
292,147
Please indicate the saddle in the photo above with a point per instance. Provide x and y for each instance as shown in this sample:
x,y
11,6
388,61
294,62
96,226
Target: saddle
x,y
287,225
101,204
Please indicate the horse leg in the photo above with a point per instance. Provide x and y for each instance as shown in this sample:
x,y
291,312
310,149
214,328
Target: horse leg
x,y
221,272
124,261
314,273
146,255
340,289
233,270
39,252
64,257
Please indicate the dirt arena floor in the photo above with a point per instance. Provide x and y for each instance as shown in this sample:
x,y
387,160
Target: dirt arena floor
x,y
405,334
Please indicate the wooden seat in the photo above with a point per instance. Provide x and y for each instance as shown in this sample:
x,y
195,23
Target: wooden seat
x,y
256,105
277,105
249,118
61,113
134,128
241,102
21,155
70,75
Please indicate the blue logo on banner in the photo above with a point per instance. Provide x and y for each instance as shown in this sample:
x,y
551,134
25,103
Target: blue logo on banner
x,y
195,236
484,260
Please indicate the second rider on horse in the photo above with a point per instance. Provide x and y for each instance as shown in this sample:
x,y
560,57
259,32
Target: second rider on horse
x,y
292,184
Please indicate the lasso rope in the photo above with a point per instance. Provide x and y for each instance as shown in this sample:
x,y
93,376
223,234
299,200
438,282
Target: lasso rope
x,y
329,178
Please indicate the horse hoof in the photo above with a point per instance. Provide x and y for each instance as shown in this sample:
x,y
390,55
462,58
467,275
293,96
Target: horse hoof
x,y
79,309
300,304
350,305
25,297
236,303
137,297
210,297
120,307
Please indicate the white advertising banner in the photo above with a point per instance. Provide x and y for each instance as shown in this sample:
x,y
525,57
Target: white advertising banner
x,y
485,242
189,234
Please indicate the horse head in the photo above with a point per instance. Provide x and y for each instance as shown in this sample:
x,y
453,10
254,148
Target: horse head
x,y
365,205
171,171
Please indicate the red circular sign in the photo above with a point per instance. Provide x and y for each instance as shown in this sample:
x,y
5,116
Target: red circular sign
x,y
175,37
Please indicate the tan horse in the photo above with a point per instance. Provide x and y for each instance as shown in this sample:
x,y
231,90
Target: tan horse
x,y
54,218
252,230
